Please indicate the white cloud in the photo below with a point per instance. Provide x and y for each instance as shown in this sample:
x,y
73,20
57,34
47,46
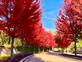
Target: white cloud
x,y
50,18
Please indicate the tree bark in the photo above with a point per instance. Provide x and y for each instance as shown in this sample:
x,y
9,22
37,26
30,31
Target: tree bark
x,y
62,50
9,40
22,46
75,45
12,46
66,51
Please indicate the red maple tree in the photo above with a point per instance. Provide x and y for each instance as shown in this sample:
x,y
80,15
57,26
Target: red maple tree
x,y
23,20
70,20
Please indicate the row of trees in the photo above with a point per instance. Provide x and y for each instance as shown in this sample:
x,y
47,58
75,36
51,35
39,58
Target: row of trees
x,y
22,19
69,24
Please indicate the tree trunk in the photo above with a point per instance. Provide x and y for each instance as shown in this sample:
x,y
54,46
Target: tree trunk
x,y
9,40
39,49
66,51
22,46
12,46
75,45
62,50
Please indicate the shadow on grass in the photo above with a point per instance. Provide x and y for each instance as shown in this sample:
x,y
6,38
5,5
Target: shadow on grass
x,y
65,55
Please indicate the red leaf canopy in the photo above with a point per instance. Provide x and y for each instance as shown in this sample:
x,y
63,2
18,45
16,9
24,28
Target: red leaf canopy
x,y
23,20
69,21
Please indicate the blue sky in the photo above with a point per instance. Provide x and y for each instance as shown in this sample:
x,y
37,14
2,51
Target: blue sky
x,y
50,12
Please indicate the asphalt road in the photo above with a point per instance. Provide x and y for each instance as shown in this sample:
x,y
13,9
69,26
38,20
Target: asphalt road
x,y
48,57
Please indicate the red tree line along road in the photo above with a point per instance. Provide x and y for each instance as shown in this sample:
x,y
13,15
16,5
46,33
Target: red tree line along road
x,y
69,23
22,19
